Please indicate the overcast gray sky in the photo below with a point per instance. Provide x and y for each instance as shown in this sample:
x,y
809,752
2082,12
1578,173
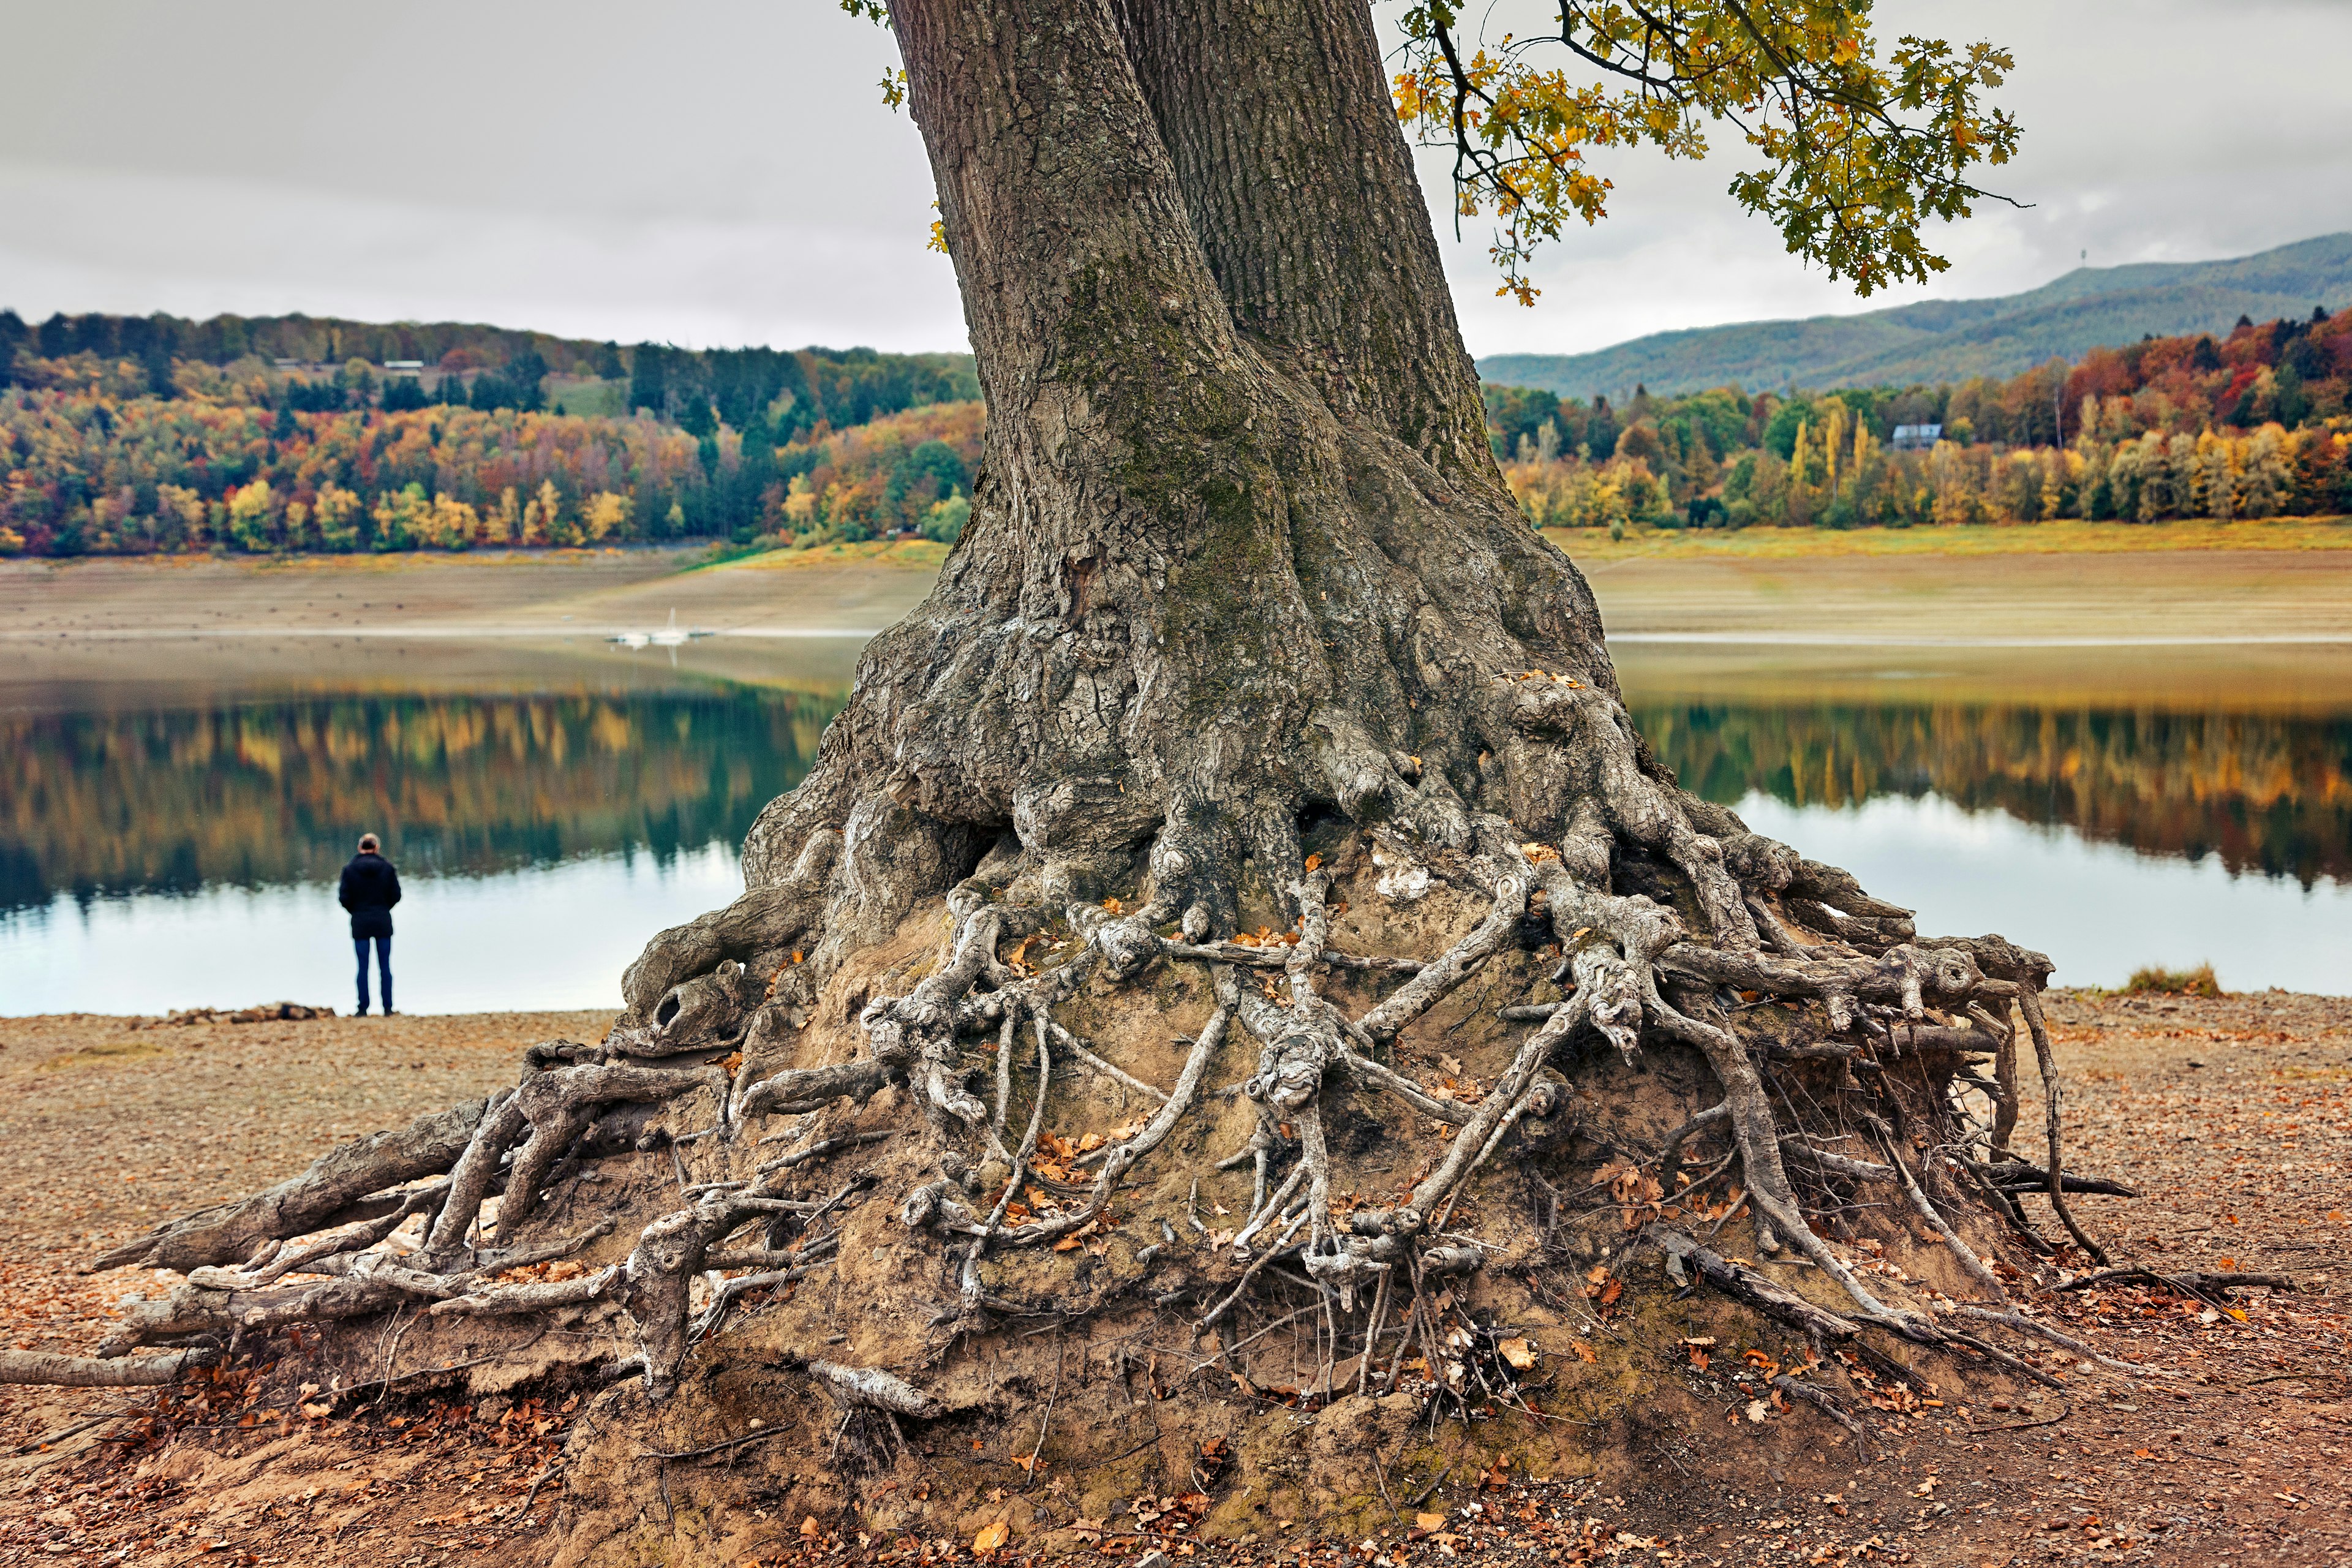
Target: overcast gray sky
x,y
722,172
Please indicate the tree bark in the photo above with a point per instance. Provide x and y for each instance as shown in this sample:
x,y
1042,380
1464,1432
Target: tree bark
x,y
1301,191
1239,550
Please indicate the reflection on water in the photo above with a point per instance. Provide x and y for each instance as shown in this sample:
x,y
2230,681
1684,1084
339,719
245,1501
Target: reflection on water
x,y
548,938
254,792
172,846
2100,911
2264,792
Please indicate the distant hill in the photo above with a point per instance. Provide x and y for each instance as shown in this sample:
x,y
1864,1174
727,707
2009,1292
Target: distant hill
x,y
840,386
331,340
1953,339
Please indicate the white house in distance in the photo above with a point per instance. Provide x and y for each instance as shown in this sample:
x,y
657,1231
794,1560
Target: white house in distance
x,y
1915,437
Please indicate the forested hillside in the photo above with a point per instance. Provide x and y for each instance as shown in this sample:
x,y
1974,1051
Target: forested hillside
x,y
772,450
1953,339
798,389
135,435
2252,424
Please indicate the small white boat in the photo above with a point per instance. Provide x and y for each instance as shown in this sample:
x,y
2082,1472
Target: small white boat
x,y
670,635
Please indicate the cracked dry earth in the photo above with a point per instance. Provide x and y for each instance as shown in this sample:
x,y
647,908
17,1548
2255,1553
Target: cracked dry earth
x,y
2232,1117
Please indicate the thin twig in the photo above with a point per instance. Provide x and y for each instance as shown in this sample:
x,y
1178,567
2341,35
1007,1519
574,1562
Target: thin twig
x,y
2067,1409
1052,1394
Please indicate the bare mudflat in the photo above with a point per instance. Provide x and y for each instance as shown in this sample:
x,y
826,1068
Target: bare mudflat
x,y
433,618
2152,597
1801,590
2232,1117
2265,628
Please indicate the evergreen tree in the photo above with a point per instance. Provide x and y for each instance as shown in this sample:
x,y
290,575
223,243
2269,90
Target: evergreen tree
x,y
648,380
2293,402
525,373
755,470
14,335
1601,431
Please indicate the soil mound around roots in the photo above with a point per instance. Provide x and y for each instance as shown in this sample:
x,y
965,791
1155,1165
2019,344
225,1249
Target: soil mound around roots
x,y
769,1300
2226,1440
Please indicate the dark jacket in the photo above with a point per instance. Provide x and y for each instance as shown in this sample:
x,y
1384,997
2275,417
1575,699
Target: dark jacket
x,y
371,887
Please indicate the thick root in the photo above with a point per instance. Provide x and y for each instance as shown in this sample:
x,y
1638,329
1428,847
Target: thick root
x,y
1739,966
90,1372
338,1185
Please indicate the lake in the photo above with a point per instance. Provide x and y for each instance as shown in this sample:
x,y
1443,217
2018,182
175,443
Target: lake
x,y
174,841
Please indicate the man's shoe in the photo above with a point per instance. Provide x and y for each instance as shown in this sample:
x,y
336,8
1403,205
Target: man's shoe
x,y
361,1014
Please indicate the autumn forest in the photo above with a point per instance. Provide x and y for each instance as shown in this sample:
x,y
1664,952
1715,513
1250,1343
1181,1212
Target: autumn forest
x,y
134,435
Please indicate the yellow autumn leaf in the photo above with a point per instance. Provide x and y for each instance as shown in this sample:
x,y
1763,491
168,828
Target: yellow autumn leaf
x,y
991,1537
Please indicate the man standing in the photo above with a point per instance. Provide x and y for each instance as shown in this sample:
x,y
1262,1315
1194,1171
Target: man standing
x,y
371,887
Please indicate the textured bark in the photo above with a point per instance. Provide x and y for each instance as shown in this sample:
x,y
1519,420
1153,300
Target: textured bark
x,y
345,1176
1332,282
1230,560
90,1372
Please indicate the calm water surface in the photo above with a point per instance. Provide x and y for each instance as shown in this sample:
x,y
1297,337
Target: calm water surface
x,y
174,843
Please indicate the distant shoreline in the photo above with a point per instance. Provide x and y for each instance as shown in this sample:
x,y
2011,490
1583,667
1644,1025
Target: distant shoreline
x,y
2057,537
2273,589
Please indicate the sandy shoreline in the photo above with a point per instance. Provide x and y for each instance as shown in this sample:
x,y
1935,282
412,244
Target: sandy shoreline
x,y
1676,593
512,594
2245,628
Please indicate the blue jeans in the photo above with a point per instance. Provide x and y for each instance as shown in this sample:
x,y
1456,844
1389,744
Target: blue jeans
x,y
382,965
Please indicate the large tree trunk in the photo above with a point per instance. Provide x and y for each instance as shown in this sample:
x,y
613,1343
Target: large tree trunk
x,y
1245,628
1239,550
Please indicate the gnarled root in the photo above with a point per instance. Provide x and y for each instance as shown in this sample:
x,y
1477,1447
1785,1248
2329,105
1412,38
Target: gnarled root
x,y
338,1187
1838,1047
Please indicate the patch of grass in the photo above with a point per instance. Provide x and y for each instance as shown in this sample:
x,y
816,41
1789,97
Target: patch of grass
x,y
99,1052
755,557
2152,980
2063,537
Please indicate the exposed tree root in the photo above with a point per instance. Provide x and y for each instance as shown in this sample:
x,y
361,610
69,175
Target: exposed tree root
x,y
1835,1054
96,1371
2209,1285
348,1177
